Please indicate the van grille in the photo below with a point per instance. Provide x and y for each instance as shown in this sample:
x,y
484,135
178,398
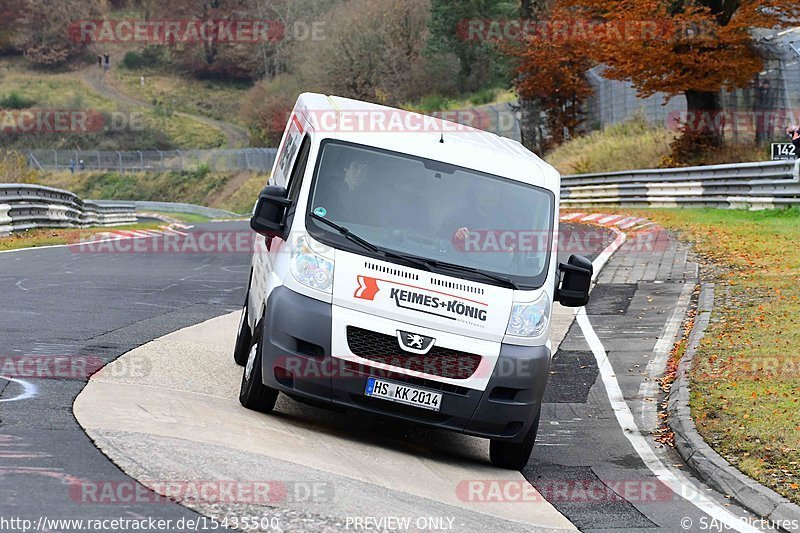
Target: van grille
x,y
442,362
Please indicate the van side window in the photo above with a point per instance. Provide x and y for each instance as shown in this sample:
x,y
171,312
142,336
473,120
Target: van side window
x,y
296,179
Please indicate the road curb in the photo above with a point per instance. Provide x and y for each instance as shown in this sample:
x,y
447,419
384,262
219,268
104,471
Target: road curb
x,y
709,465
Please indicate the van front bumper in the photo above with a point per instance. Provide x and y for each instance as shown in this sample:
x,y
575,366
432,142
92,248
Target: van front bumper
x,y
297,361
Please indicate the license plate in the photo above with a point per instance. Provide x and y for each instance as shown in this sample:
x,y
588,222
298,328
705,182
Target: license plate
x,y
397,392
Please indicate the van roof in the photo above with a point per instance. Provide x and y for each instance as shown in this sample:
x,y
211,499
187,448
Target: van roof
x,y
408,132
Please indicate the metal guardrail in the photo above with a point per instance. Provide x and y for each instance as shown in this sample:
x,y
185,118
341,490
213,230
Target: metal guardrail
x,y
738,186
745,185
173,207
254,159
24,207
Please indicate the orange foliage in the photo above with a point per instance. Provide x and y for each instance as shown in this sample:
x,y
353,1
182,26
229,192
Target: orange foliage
x,y
552,70
690,47
699,45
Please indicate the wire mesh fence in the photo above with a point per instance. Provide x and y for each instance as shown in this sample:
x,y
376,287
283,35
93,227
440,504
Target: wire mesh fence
x,y
614,102
255,159
759,112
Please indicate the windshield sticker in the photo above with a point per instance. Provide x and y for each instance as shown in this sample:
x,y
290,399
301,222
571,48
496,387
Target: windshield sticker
x,y
320,211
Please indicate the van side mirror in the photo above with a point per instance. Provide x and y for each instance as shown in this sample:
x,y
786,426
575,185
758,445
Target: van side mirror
x,y
269,215
576,280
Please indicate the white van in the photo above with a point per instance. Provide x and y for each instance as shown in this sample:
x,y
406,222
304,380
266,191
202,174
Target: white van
x,y
408,270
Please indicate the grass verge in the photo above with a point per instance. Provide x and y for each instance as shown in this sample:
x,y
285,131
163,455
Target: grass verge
x,y
434,103
130,129
187,218
635,145
219,100
37,238
631,145
232,191
746,377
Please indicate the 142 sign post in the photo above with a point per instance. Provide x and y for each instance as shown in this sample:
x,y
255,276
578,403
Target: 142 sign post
x,y
784,151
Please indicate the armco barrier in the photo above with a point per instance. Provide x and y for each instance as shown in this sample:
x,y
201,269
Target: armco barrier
x,y
744,186
252,159
173,207
25,207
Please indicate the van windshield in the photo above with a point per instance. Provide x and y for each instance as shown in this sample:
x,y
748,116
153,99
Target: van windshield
x,y
432,210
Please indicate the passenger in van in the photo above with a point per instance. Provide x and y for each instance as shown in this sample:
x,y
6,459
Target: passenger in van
x,y
347,197
371,195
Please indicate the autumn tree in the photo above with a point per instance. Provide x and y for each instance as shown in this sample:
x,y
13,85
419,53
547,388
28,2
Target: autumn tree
x,y
304,24
210,57
531,126
10,12
551,74
14,168
691,47
376,51
42,31
480,64
267,106
288,21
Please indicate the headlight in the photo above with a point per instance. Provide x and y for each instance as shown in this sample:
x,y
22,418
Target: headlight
x,y
310,268
529,319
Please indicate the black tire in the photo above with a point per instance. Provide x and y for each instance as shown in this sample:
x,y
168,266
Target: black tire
x,y
254,394
511,455
244,338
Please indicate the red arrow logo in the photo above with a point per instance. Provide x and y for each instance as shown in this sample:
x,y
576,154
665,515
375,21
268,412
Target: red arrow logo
x,y
367,288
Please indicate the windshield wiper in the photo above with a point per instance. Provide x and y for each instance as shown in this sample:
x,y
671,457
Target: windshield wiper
x,y
452,266
426,264
369,246
347,233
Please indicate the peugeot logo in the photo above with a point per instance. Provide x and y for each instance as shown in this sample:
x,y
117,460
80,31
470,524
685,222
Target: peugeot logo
x,y
414,343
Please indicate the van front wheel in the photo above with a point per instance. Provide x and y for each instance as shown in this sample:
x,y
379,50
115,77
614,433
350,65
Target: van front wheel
x,y
244,339
253,393
514,455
